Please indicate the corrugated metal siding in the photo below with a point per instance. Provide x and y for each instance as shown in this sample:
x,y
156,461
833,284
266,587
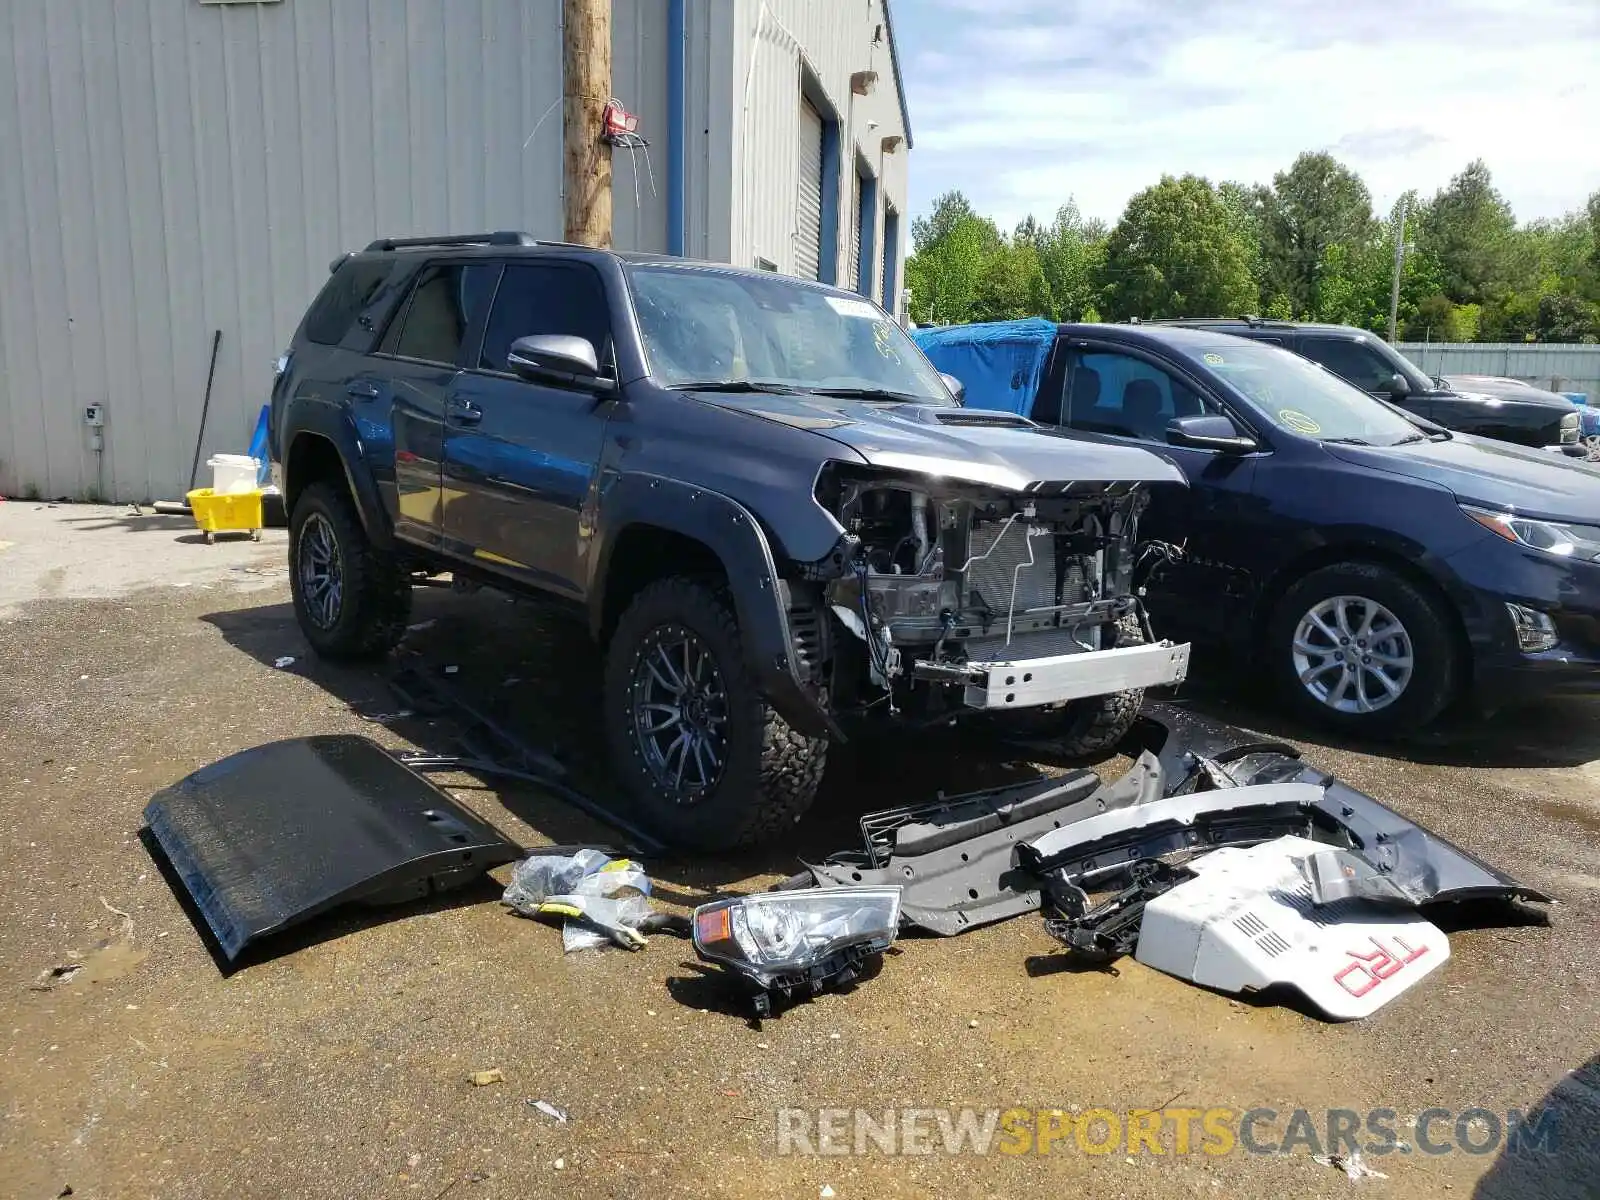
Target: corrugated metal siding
x,y
173,168
639,80
773,42
1561,368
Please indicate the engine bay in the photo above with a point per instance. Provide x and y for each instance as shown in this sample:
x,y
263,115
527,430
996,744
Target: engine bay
x,y
949,574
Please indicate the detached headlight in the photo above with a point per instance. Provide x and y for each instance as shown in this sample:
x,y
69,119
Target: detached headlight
x,y
1553,537
792,941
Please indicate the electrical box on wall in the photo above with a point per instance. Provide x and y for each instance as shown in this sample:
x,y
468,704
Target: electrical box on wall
x,y
94,416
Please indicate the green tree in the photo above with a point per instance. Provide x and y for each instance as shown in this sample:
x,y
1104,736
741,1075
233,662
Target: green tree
x,y
951,247
949,211
1564,317
1012,285
1173,254
1070,250
1470,229
1436,319
1248,206
1317,203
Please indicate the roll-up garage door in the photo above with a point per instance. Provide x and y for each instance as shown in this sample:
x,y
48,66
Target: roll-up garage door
x,y
808,206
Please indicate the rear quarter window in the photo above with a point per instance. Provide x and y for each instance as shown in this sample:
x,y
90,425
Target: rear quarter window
x,y
353,287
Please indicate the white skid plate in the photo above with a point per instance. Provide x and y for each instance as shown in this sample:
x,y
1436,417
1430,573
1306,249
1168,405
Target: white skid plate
x,y
1247,922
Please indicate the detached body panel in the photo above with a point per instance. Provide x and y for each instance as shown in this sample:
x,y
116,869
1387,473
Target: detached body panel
x,y
271,837
1247,922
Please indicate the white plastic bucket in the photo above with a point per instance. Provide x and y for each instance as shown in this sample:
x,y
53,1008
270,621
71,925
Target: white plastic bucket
x,y
233,473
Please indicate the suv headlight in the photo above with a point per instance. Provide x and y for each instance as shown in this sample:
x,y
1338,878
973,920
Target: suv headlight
x,y
783,941
1562,538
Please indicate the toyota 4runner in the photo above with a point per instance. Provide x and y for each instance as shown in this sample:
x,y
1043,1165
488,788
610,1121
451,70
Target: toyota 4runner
x,y
769,508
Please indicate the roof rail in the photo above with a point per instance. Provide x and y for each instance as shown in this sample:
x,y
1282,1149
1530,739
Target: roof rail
x,y
504,237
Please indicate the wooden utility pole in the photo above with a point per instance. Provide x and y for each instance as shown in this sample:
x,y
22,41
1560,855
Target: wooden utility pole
x,y
1399,267
586,88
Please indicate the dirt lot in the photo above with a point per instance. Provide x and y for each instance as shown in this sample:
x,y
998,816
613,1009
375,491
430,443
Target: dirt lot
x,y
338,1068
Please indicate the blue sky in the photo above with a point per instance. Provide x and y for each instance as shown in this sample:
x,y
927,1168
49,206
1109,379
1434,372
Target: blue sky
x,y
1024,103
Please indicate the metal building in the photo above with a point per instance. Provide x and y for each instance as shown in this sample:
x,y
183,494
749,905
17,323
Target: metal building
x,y
175,168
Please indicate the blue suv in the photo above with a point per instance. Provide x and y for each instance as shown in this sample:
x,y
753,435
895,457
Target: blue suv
x,y
1377,565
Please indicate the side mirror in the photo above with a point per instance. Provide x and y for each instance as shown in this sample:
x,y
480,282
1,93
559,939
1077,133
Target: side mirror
x,y
1211,431
957,388
1398,387
559,360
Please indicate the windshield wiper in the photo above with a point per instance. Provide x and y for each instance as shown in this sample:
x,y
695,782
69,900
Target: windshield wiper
x,y
883,394
735,385
1347,441
1411,439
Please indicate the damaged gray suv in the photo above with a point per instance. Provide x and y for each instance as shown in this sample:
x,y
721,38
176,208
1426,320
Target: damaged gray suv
x,y
766,504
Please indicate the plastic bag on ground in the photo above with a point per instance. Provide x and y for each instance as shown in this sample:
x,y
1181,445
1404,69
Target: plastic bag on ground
x,y
605,899
540,876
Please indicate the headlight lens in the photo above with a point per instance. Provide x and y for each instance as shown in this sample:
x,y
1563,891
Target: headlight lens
x,y
1553,537
779,932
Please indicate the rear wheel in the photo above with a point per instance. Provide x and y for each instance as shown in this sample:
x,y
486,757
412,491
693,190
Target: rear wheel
x,y
1358,647
351,599
710,765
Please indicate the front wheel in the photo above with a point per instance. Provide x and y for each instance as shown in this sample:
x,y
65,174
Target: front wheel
x,y
710,765
1358,647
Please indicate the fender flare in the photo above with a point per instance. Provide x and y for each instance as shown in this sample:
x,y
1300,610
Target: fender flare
x,y
336,428
760,595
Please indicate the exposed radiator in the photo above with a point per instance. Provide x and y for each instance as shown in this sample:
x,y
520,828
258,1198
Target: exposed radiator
x,y
1006,548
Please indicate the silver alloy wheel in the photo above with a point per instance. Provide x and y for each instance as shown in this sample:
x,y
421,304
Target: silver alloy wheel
x,y
1353,655
321,570
680,713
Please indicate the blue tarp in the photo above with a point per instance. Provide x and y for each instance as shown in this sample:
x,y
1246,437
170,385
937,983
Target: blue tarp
x,y
1001,363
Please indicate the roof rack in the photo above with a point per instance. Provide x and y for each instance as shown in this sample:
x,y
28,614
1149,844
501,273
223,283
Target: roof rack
x,y
504,237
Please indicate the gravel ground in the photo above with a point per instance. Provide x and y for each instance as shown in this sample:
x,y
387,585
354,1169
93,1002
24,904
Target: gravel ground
x,y
338,1067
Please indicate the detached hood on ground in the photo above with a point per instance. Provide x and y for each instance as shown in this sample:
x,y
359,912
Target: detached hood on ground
x,y
1496,475
957,443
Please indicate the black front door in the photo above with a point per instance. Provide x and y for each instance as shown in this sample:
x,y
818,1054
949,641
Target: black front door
x,y
1112,395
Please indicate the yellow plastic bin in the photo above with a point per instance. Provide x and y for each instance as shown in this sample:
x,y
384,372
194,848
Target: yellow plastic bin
x,y
233,512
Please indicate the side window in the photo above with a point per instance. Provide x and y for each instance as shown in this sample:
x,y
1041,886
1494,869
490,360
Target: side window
x,y
444,304
1351,361
552,298
352,288
1118,394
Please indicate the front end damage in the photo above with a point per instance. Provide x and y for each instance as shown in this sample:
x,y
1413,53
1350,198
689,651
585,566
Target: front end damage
x,y
948,594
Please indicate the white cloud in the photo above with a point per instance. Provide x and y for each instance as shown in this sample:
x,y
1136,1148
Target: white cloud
x,y
1022,103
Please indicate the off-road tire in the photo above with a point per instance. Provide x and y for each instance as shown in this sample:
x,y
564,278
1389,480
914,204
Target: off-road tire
x,y
375,605
771,772
1437,670
1095,724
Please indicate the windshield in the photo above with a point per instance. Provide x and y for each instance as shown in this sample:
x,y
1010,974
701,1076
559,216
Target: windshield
x,y
702,325
1298,395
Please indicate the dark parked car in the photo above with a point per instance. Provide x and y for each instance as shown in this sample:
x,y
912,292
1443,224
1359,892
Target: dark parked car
x,y
1542,420
1377,570
757,492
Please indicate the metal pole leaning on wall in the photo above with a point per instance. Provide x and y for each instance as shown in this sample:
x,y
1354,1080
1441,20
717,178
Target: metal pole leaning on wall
x,y
205,408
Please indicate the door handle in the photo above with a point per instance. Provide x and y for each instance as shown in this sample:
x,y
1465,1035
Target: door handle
x,y
463,412
363,391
